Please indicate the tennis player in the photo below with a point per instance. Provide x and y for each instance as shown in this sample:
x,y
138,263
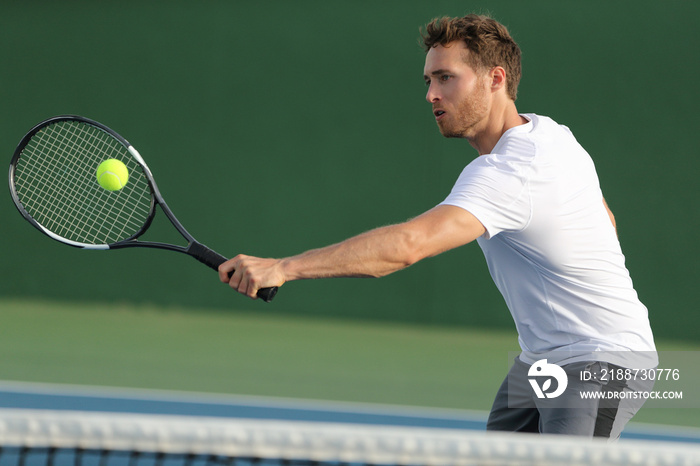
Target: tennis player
x,y
533,202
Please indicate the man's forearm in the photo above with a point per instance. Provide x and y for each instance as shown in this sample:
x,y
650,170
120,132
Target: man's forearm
x,y
375,253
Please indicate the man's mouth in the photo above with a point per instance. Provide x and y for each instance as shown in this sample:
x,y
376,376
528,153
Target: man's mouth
x,y
438,114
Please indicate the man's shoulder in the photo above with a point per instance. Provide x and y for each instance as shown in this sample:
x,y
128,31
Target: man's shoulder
x,y
544,125
540,136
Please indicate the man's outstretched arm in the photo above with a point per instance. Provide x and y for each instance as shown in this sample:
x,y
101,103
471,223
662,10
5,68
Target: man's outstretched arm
x,y
375,253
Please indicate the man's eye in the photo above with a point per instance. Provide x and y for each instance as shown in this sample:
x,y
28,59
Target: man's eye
x,y
445,77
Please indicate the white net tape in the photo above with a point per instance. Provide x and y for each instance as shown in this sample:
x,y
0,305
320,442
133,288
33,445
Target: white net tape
x,y
324,442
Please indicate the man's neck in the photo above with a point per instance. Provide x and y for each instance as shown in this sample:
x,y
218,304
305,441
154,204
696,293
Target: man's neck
x,y
500,120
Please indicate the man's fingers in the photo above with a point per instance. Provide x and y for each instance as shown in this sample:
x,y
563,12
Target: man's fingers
x,y
225,272
247,274
227,269
232,272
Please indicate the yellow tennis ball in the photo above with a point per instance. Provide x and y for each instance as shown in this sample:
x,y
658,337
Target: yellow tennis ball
x,y
112,174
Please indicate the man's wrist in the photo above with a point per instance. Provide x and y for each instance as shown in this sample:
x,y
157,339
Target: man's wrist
x,y
288,269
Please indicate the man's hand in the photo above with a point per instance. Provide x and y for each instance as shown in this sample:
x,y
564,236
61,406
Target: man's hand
x,y
247,274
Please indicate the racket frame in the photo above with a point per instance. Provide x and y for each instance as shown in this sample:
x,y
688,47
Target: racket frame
x,y
156,197
195,249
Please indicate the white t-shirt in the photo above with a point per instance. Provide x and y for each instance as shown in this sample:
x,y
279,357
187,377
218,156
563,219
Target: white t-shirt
x,y
551,248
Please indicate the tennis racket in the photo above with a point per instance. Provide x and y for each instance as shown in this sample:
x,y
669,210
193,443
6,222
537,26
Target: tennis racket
x,y
54,185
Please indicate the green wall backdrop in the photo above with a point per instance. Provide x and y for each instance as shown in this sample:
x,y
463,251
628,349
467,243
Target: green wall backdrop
x,y
274,126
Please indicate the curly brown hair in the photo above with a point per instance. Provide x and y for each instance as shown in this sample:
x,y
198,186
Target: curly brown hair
x,y
488,41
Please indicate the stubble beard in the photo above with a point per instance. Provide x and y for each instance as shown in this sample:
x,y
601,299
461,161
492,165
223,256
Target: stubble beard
x,y
464,122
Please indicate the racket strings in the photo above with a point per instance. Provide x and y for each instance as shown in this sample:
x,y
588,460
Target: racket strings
x,y
63,186
90,141
55,180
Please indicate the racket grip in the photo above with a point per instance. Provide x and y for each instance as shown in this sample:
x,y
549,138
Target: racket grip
x,y
213,259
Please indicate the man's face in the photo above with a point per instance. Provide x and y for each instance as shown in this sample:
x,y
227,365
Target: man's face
x,y
460,97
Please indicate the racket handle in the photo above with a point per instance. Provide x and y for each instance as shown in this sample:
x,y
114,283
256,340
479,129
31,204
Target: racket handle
x,y
213,259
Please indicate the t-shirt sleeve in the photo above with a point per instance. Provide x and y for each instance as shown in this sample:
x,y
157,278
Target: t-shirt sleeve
x,y
495,192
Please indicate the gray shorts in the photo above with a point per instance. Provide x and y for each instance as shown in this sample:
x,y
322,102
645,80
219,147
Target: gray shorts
x,y
518,408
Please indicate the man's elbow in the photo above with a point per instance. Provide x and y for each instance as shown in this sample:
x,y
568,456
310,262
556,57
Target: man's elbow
x,y
610,214
413,249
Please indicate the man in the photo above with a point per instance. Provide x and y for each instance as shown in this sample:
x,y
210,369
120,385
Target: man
x,y
532,200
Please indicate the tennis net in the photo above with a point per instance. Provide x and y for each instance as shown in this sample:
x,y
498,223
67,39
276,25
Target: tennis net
x,y
69,438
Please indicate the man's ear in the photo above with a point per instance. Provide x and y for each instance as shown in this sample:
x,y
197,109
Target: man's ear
x,y
498,78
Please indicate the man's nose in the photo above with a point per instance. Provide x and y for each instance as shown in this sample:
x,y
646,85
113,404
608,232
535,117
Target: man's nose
x,y
432,95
